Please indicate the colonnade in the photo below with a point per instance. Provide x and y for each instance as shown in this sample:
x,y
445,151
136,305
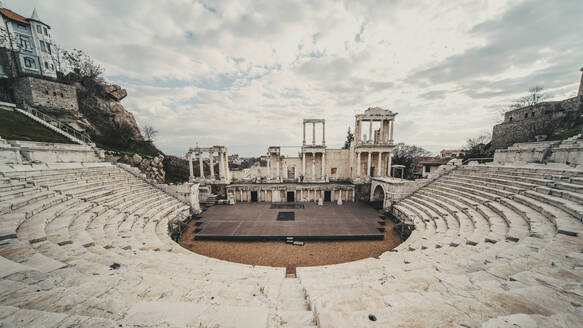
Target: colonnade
x,y
305,195
379,168
223,159
387,128
323,174
314,122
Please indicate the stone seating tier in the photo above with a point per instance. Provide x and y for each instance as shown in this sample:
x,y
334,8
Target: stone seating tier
x,y
88,245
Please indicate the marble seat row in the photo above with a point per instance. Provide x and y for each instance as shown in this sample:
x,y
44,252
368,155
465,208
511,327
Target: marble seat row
x,y
102,255
487,251
88,244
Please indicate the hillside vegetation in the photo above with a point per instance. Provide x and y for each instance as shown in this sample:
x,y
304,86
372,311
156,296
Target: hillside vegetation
x,y
15,126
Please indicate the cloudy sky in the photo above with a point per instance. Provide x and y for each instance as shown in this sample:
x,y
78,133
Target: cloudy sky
x,y
245,73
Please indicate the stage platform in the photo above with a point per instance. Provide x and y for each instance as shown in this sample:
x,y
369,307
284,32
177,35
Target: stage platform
x,y
261,221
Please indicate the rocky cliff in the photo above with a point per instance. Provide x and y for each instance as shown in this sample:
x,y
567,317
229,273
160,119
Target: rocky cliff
x,y
110,124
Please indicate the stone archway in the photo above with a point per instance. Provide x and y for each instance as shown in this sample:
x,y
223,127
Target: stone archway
x,y
378,194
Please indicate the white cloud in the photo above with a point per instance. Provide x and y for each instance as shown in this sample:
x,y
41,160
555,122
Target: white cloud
x,y
245,73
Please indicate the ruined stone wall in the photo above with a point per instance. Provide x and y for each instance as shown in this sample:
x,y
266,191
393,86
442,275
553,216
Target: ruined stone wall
x,y
543,119
289,163
45,94
338,159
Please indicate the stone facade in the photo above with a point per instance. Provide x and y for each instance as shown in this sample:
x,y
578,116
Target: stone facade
x,y
44,94
568,152
541,120
319,174
366,157
295,192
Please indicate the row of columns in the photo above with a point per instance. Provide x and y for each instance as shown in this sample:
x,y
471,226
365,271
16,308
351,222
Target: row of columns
x,y
340,199
314,132
323,175
382,135
369,164
223,165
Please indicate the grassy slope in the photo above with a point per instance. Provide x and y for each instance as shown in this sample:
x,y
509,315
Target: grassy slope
x,y
15,126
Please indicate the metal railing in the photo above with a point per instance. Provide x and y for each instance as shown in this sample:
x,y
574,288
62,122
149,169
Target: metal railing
x,y
62,126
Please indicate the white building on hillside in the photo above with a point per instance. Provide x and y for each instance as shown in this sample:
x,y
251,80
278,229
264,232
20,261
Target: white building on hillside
x,y
30,40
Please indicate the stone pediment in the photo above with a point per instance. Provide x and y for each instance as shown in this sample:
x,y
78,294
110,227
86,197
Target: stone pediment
x,y
377,111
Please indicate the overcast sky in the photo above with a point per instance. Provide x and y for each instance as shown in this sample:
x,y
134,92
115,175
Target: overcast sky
x,y
245,73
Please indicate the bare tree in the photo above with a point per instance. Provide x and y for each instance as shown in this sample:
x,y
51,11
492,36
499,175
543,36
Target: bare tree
x,y
78,62
534,96
58,55
407,155
479,140
479,147
149,132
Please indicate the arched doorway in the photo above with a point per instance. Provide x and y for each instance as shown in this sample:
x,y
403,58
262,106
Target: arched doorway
x,y
378,197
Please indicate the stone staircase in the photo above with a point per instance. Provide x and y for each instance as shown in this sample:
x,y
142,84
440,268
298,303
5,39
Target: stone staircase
x,y
292,308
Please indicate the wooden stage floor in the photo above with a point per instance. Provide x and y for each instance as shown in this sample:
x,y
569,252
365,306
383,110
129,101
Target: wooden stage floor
x,y
259,221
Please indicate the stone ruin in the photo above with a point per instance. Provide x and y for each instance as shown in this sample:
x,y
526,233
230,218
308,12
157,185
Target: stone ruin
x,y
88,243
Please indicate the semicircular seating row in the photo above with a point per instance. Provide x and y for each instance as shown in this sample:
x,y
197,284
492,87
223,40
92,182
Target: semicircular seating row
x,y
493,246
88,245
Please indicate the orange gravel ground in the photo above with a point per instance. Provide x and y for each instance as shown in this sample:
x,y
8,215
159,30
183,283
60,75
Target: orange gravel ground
x,y
280,254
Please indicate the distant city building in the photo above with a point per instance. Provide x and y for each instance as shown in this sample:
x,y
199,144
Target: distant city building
x,y
30,40
452,153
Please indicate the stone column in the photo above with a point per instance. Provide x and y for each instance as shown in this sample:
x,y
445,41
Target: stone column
x,y
269,165
392,129
212,164
381,131
339,201
190,169
301,195
221,175
323,165
353,195
356,130
390,163
370,138
313,166
304,140
277,169
380,172
368,165
313,133
227,172
194,199
323,132
358,164
201,165
304,165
